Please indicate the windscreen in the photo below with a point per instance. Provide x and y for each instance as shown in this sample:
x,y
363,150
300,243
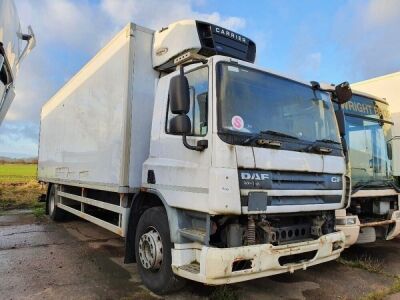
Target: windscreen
x,y
251,101
368,130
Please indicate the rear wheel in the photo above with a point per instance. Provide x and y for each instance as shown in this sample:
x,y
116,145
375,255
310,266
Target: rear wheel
x,y
55,213
153,252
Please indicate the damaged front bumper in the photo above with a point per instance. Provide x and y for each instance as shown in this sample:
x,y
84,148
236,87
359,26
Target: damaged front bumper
x,y
214,266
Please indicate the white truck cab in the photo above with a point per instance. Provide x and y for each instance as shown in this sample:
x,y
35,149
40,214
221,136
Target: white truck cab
x,y
215,170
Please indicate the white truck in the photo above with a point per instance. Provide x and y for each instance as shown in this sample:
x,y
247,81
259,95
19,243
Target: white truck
x,y
11,54
213,169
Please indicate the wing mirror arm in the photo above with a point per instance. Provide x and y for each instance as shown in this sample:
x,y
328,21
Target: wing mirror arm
x,y
31,43
201,145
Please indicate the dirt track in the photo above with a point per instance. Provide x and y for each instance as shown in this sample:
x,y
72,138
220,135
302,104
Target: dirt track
x,y
76,259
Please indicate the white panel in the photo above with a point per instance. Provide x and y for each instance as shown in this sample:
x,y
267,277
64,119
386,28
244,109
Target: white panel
x,y
86,129
271,159
245,157
177,38
224,191
143,94
334,164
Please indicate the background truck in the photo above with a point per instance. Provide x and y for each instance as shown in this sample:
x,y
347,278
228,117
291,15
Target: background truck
x,y
11,53
374,210
388,88
212,168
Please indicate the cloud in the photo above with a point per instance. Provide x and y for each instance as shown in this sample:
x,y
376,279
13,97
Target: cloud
x,y
158,13
368,34
305,59
21,138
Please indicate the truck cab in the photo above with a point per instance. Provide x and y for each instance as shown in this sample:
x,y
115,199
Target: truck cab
x,y
257,156
374,210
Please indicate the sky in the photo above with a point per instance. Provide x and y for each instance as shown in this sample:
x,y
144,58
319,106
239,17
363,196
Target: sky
x,y
331,41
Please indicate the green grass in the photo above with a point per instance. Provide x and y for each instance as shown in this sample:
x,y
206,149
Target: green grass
x,y
364,262
19,188
384,293
17,173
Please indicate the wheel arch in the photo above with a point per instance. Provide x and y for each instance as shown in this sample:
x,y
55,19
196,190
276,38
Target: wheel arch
x,y
140,202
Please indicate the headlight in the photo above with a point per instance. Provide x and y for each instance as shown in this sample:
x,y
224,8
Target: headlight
x,y
351,221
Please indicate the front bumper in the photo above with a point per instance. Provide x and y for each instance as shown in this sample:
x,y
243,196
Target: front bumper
x,y
396,228
351,229
215,265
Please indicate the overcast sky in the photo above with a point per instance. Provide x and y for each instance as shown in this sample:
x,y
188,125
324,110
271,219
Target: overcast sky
x,y
329,41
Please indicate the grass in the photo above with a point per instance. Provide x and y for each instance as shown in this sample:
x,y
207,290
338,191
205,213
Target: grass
x,y
382,294
373,265
364,262
17,173
19,188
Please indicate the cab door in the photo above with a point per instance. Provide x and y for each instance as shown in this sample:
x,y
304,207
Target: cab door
x,y
182,174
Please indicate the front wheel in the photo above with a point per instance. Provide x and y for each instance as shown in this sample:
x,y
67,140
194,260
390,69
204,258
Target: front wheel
x,y
153,252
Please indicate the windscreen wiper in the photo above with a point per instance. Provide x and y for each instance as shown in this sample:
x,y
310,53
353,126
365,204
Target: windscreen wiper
x,y
259,137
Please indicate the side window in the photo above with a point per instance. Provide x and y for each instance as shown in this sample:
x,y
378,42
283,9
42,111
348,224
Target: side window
x,y
198,113
4,74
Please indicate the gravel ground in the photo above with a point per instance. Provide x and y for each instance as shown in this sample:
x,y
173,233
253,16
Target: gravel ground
x,y
40,259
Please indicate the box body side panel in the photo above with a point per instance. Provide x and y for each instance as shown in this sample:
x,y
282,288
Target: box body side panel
x,y
83,133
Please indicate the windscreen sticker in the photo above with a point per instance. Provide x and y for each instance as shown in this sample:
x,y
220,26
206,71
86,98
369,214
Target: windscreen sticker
x,y
237,122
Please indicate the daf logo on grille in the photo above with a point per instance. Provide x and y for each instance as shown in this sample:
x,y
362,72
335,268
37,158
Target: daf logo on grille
x,y
254,176
335,179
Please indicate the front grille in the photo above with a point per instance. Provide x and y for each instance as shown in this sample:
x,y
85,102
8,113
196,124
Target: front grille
x,y
289,180
291,200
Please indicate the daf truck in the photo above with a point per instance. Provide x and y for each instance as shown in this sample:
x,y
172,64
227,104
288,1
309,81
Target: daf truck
x,y
213,169
11,52
374,211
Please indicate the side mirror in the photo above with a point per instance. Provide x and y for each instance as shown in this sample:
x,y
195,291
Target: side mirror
x,y
179,103
343,92
341,121
389,150
180,125
179,97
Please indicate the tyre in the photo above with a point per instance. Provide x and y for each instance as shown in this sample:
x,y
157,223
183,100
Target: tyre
x,y
55,213
153,252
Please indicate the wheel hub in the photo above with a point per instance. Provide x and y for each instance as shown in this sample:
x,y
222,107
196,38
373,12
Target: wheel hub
x,y
150,250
